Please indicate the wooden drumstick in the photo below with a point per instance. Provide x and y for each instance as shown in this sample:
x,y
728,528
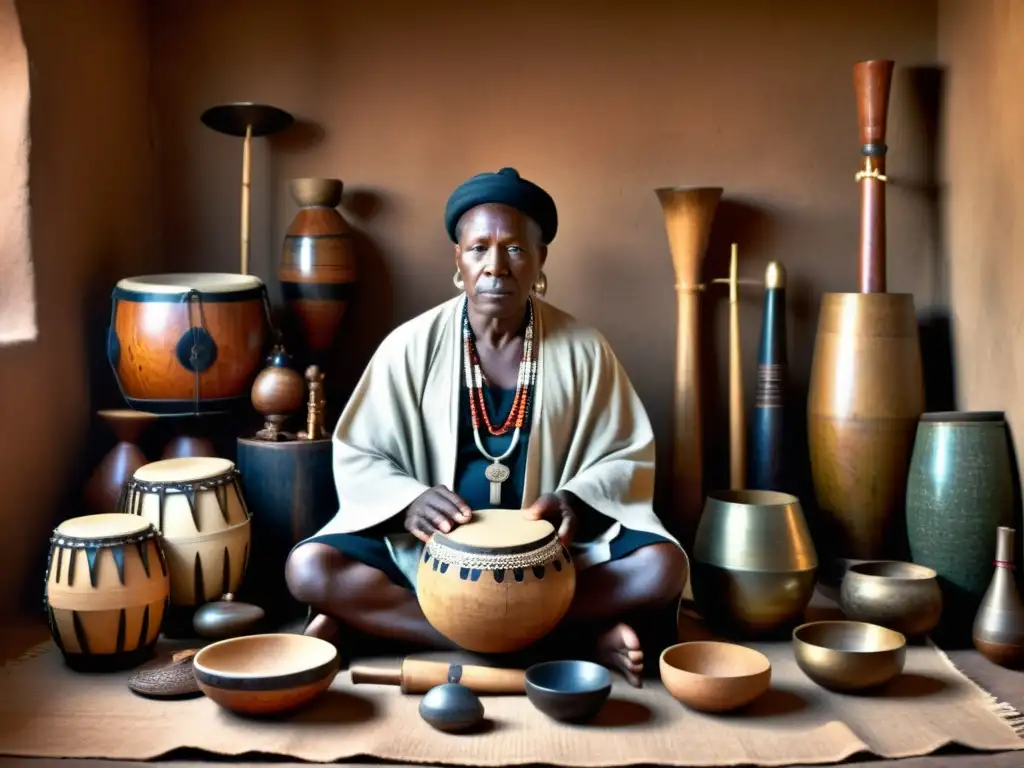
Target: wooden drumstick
x,y
418,676
246,185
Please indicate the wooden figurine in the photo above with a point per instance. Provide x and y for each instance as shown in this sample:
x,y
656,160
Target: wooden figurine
x,y
315,405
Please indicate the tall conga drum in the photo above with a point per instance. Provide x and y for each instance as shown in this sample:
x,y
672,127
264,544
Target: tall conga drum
x,y
496,584
197,506
185,344
107,589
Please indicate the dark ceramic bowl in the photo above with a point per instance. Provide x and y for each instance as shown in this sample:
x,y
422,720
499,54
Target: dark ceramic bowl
x,y
569,691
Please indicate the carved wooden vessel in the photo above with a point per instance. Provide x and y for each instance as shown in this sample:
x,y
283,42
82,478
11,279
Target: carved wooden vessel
x,y
866,389
318,266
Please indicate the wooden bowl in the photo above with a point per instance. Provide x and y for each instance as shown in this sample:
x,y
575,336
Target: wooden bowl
x,y
714,677
265,674
849,655
568,691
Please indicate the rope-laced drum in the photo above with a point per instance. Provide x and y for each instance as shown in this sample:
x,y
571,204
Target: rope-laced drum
x,y
107,589
187,343
196,504
496,584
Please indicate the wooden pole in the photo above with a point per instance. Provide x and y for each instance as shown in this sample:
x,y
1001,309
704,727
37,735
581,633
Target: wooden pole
x,y
246,185
737,416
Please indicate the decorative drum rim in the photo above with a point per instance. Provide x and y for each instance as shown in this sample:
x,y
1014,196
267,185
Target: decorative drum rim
x,y
211,285
172,472
534,553
132,529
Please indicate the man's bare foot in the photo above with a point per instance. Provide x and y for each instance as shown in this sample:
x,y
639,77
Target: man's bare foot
x,y
324,627
619,649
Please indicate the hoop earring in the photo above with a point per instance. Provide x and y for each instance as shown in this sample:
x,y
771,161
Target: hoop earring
x,y
540,285
457,282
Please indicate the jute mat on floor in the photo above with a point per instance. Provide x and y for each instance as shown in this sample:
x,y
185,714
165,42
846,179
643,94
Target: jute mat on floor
x,y
48,711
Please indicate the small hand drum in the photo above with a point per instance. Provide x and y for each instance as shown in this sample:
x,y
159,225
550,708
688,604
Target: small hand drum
x,y
496,584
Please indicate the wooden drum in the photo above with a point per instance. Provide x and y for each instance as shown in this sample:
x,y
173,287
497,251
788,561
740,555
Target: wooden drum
x,y
184,344
107,589
196,504
496,584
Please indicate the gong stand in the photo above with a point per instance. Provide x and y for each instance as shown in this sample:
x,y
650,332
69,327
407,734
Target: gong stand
x,y
246,120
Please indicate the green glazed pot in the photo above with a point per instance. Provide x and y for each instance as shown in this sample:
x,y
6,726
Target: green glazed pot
x,y
960,489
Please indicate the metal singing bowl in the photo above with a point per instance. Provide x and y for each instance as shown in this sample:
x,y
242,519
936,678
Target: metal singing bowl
x,y
902,596
849,655
754,562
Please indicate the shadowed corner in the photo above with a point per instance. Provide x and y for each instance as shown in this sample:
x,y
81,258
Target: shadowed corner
x,y
622,713
775,702
332,706
911,685
301,136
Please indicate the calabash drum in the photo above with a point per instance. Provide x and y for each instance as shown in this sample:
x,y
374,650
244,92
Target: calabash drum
x,y
107,589
496,584
196,504
187,343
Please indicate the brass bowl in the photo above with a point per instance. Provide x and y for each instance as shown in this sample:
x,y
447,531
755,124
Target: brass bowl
x,y
900,596
714,677
754,563
849,656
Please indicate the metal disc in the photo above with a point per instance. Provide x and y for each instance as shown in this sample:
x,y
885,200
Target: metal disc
x,y
233,119
497,473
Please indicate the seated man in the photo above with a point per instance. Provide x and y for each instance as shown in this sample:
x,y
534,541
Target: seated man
x,y
495,374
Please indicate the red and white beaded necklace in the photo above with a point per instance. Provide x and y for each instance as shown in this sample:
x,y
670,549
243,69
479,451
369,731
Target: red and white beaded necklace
x,y
497,473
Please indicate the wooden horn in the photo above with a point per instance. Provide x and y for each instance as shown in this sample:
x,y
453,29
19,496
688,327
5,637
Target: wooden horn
x,y
688,212
872,81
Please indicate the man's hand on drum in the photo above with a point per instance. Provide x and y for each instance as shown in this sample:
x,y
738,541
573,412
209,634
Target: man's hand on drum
x,y
436,509
557,509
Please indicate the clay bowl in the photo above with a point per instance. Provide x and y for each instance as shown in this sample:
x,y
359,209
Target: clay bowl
x,y
265,674
848,656
568,691
902,596
714,677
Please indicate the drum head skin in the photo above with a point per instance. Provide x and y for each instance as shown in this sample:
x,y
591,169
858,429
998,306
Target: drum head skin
x,y
184,470
496,529
183,282
105,526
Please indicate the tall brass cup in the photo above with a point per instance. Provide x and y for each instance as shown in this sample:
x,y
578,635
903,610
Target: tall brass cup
x,y
754,562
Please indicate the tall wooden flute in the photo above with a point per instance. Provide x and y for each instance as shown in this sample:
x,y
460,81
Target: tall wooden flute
x,y
767,434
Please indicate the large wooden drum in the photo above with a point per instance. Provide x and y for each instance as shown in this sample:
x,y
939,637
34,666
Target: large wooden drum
x,y
187,343
107,589
196,504
496,584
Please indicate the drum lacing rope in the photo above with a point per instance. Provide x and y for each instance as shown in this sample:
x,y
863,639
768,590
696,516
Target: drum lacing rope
x,y
496,561
195,295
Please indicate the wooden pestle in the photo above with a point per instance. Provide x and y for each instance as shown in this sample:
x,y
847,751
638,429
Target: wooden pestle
x,y
419,676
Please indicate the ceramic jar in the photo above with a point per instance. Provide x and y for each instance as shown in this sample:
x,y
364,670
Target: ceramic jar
x,y
959,491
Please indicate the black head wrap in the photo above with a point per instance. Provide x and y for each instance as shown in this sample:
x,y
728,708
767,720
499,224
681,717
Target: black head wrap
x,y
508,188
